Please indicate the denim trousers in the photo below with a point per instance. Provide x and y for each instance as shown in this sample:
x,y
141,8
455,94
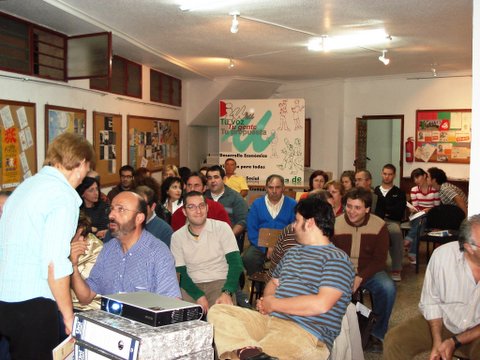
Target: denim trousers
x,y
396,244
416,228
383,291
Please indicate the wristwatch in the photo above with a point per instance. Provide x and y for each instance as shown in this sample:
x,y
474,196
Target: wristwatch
x,y
457,343
229,293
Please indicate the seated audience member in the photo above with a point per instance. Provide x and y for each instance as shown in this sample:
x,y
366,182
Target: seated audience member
x,y
4,194
154,225
335,188
140,174
363,179
170,197
423,197
234,181
348,179
449,193
300,313
134,260
274,211
206,256
391,204
96,176
231,200
126,182
216,211
364,237
450,319
169,170
317,181
93,207
287,238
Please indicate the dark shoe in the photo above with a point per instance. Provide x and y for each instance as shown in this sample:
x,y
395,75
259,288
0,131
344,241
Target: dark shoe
x,y
375,345
262,356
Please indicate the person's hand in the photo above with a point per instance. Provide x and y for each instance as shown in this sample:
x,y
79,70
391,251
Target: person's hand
x,y
224,298
446,349
267,304
435,354
269,252
78,247
203,302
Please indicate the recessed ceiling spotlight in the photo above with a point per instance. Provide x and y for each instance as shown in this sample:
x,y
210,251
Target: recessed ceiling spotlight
x,y
383,59
231,64
234,27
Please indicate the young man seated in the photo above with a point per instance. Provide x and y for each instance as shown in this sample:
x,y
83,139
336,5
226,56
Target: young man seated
x,y
301,311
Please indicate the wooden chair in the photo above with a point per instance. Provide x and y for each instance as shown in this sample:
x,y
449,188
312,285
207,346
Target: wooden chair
x,y
267,238
442,217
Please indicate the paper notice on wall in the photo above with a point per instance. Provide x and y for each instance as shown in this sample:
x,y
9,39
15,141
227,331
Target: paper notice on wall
x,y
6,116
22,117
27,174
11,174
425,152
460,152
23,140
28,137
24,162
144,162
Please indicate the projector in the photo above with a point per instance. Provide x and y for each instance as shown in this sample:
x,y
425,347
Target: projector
x,y
151,309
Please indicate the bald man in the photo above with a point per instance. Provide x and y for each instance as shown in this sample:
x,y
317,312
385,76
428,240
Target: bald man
x,y
134,260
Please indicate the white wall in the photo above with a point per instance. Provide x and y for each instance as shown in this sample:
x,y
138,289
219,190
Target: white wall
x,y
65,94
333,107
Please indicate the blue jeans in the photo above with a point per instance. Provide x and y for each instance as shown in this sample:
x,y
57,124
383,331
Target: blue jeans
x,y
253,260
383,291
417,226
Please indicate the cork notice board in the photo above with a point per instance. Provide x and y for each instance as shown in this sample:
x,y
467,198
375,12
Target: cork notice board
x,y
18,150
152,142
443,136
107,141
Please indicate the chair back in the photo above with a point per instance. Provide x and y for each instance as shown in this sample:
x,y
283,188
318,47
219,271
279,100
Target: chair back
x,y
445,217
268,237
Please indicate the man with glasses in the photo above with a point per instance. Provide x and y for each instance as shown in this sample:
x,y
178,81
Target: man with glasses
x,y
126,182
363,179
206,256
450,319
197,182
134,260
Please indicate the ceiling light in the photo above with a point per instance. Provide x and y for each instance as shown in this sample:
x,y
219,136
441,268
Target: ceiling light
x,y
231,64
319,44
434,70
383,59
234,27
359,39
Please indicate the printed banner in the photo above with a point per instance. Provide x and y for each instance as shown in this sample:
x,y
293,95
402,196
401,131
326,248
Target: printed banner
x,y
264,137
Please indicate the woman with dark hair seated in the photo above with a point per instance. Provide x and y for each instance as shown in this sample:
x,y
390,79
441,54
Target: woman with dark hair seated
x,y
317,181
95,208
170,197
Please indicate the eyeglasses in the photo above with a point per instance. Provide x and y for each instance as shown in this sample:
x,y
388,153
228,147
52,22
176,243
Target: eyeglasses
x,y
120,209
126,176
193,207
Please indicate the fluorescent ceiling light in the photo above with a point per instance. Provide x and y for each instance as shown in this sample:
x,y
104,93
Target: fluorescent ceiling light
x,y
358,39
383,59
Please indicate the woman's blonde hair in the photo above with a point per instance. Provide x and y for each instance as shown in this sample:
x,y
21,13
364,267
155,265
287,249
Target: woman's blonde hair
x,y
69,150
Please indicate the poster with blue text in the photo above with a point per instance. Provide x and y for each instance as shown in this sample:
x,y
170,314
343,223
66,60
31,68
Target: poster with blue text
x,y
264,137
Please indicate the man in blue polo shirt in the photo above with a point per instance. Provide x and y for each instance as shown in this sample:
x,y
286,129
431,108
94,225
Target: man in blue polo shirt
x,y
133,261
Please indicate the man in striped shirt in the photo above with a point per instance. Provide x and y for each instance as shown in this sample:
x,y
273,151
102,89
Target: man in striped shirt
x,y
303,304
450,319
449,193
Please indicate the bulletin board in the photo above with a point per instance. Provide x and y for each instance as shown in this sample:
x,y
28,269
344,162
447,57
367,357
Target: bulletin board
x,y
60,119
443,136
18,150
152,142
107,141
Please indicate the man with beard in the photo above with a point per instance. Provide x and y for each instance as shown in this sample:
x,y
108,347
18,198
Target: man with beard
x,y
134,260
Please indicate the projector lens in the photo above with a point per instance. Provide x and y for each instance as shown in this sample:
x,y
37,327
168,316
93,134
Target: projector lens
x,y
114,307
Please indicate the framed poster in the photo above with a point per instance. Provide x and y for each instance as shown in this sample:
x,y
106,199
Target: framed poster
x,y
18,149
107,141
152,142
61,119
443,136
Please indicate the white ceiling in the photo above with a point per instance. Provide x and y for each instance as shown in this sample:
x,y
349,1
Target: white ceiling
x,y
199,43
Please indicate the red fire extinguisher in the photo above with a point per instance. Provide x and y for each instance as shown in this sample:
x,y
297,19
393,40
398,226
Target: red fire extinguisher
x,y
409,150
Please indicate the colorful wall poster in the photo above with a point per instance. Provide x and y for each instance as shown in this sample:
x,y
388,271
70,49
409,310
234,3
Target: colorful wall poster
x,y
264,137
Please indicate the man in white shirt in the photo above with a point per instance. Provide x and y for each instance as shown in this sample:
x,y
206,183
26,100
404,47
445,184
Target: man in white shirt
x,y
450,320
